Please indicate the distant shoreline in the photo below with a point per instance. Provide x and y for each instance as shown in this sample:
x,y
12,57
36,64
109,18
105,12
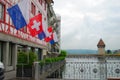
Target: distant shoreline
x,y
81,51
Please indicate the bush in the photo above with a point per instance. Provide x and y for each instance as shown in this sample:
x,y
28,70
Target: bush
x,y
41,62
63,53
56,59
48,60
51,60
22,58
32,57
25,58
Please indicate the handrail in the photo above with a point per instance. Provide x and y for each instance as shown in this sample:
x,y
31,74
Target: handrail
x,y
47,69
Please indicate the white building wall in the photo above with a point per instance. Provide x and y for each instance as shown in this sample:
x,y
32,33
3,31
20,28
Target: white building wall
x,y
101,50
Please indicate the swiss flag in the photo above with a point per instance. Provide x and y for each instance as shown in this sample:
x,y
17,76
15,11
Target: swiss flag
x,y
49,38
55,39
35,25
49,35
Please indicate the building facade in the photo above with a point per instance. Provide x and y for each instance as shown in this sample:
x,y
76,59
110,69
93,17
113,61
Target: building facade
x,y
54,21
12,40
58,31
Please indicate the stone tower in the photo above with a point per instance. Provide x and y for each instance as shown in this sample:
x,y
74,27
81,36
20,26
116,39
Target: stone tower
x,y
101,47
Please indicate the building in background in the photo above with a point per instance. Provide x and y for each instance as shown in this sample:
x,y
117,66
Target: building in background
x,y
54,21
101,47
58,31
12,40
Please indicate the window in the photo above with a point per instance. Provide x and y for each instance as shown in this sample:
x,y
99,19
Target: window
x,y
33,9
10,54
2,8
45,5
39,12
40,1
1,51
40,54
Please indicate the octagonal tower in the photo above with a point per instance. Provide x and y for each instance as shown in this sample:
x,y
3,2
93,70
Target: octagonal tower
x,y
101,47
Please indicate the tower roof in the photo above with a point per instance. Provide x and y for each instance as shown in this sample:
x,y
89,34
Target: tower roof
x,y
101,43
49,1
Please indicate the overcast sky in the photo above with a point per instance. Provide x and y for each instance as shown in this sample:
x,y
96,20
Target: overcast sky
x,y
84,22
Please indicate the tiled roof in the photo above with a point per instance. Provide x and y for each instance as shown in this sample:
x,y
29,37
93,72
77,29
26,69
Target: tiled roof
x,y
101,43
49,1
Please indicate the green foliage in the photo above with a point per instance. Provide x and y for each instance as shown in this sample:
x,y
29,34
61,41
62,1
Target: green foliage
x,y
109,52
41,62
56,59
27,58
116,52
22,58
63,53
51,60
48,60
32,57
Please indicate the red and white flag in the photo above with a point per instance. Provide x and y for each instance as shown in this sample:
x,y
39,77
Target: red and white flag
x,y
49,34
35,25
55,39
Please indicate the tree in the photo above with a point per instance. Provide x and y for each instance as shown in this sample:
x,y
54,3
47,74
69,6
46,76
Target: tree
x,y
63,53
109,52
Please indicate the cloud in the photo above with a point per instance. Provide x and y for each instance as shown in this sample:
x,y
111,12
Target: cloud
x,y
84,22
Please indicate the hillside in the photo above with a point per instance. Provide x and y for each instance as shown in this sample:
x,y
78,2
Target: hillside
x,y
81,51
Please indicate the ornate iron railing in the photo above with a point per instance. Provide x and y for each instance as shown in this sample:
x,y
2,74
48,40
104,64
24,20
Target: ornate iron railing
x,y
92,68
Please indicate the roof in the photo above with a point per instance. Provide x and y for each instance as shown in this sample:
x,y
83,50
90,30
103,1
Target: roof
x,y
99,55
101,43
49,1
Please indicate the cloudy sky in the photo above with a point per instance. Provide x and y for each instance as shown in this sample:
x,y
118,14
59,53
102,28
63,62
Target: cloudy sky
x,y
84,22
